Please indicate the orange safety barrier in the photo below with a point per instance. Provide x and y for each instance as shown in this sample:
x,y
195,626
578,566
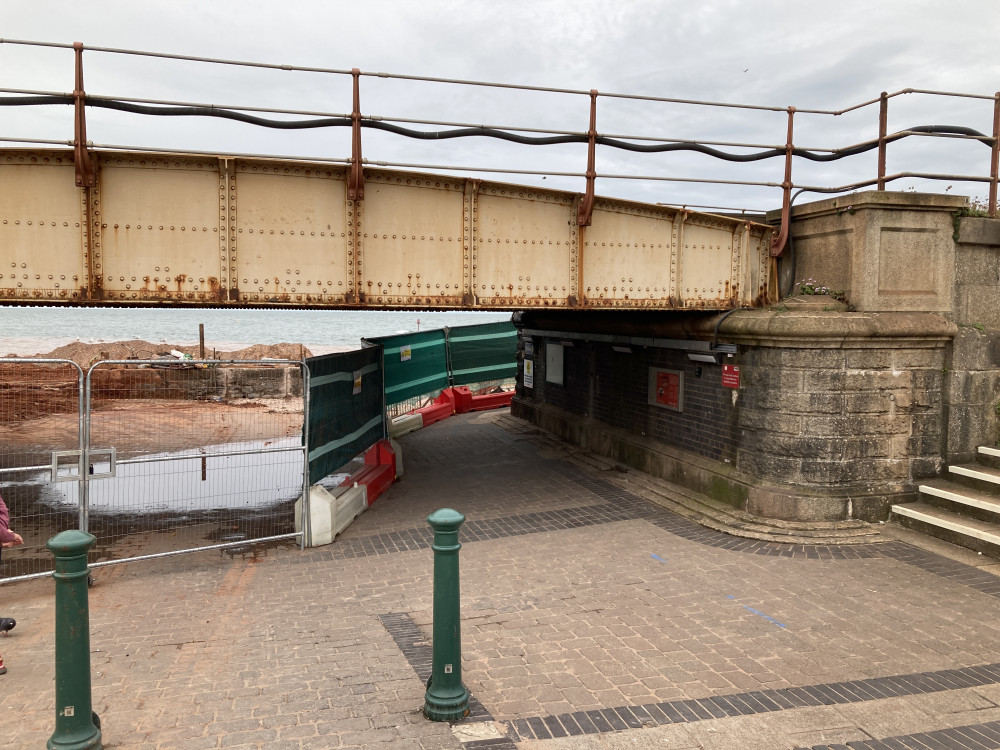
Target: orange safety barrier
x,y
379,471
442,408
465,401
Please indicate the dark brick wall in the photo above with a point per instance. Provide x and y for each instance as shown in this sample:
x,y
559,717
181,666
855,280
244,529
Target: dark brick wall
x,y
612,387
857,420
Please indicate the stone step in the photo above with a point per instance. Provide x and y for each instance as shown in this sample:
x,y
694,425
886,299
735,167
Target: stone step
x,y
720,516
989,456
708,512
981,536
976,476
960,498
736,519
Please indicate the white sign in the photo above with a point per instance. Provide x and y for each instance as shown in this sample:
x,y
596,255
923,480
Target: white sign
x,y
554,363
405,352
529,373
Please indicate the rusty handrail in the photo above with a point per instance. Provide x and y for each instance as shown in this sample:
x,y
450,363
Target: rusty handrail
x,y
85,174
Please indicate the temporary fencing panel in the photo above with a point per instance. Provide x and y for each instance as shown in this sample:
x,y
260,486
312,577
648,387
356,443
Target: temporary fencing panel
x,y
41,438
415,364
168,451
168,457
481,353
346,408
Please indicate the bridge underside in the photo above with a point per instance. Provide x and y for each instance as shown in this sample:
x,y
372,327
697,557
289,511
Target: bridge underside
x,y
219,231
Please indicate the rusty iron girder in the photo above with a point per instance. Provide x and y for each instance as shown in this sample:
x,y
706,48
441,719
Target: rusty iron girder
x,y
203,231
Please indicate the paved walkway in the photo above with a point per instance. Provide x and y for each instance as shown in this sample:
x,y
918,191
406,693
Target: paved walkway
x,y
592,618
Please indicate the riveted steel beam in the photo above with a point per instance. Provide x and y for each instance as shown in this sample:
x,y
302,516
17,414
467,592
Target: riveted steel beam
x,y
200,230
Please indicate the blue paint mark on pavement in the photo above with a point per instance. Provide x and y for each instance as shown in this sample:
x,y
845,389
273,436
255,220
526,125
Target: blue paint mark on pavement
x,y
657,557
760,614
766,617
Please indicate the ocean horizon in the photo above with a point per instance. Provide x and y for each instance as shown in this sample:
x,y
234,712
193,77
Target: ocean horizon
x,y
28,331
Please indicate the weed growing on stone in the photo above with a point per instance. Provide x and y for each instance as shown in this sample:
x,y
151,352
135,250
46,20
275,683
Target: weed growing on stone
x,y
811,286
978,207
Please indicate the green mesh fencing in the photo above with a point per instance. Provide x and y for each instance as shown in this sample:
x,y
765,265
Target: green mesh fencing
x,y
415,364
346,413
479,353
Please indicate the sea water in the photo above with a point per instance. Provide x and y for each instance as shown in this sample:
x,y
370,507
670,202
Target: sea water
x,y
25,331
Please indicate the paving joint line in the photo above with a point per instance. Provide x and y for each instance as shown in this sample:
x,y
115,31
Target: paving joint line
x,y
755,702
418,652
970,737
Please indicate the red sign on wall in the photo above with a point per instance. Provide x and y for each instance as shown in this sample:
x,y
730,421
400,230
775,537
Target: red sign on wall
x,y
668,389
731,376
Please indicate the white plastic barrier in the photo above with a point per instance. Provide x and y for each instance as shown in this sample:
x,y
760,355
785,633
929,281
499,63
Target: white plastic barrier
x,y
398,450
405,423
331,511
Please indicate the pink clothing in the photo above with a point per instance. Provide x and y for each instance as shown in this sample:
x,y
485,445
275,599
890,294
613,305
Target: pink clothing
x,y
6,535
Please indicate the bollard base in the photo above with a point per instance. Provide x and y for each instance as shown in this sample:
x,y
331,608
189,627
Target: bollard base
x,y
85,740
450,706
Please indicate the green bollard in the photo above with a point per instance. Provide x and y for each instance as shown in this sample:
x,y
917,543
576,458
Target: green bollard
x,y
77,726
446,698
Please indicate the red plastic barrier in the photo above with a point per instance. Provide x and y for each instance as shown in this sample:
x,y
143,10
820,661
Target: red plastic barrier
x,y
491,401
379,471
463,399
442,408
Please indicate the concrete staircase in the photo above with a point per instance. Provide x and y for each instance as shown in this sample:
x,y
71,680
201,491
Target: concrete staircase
x,y
962,508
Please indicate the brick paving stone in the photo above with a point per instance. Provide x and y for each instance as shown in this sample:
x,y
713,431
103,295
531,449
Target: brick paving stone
x,y
569,623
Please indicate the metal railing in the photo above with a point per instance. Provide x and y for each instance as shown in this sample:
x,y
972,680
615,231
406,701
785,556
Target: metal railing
x,y
787,151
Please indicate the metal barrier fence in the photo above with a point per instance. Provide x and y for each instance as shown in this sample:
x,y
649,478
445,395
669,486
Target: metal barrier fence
x,y
212,452
41,415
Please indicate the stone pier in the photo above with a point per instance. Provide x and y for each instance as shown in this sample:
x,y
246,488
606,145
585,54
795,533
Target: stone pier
x,y
819,408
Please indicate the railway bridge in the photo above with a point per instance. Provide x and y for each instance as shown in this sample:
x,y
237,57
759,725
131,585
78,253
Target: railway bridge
x,y
819,367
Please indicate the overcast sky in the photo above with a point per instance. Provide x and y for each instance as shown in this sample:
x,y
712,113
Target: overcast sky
x,y
808,54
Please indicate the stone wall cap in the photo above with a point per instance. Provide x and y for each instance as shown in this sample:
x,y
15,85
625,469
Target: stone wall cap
x,y
977,230
810,326
875,199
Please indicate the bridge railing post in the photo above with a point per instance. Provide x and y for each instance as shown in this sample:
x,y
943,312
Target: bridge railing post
x,y
995,156
586,209
778,243
883,127
85,175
